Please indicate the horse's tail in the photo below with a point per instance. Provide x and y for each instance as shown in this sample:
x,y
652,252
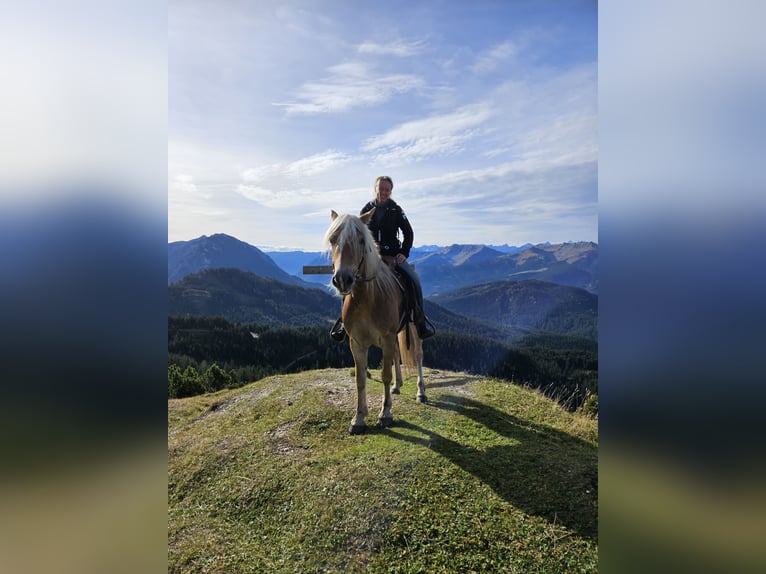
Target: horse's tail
x,y
412,353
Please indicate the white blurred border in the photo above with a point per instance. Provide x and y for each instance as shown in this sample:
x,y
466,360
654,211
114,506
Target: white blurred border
x,y
83,230
681,92
84,97
682,222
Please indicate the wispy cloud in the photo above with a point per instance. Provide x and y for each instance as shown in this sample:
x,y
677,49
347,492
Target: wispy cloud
x,y
318,163
497,152
399,48
186,196
350,85
274,198
184,183
525,199
489,60
441,134
564,140
289,184
183,186
305,198
307,166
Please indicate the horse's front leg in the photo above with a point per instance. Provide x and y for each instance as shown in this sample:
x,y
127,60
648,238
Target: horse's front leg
x,y
358,425
386,419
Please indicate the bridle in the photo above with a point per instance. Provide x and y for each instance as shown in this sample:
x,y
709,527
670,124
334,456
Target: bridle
x,y
358,273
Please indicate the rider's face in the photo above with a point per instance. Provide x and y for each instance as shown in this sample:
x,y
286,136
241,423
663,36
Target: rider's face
x,y
383,191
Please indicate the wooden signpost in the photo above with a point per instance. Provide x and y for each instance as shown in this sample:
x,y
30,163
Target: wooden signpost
x,y
322,269
317,269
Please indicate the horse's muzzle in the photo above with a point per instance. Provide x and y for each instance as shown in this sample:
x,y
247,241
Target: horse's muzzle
x,y
343,281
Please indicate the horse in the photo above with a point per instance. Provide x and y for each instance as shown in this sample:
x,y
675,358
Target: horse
x,y
373,313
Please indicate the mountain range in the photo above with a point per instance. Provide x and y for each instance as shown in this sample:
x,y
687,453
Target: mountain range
x,y
444,269
441,269
499,292
527,305
293,261
221,251
241,296
449,268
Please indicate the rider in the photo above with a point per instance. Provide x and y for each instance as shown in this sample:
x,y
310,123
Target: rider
x,y
385,224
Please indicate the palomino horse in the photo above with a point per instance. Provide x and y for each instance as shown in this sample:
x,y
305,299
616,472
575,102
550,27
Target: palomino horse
x,y
372,312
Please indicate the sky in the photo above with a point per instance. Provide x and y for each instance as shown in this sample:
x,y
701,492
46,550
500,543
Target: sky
x,y
483,113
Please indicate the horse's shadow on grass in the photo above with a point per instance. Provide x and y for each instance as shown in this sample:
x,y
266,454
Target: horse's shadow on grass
x,y
451,382
544,472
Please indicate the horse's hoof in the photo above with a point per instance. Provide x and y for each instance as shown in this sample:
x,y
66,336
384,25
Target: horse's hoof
x,y
422,399
357,429
385,422
395,391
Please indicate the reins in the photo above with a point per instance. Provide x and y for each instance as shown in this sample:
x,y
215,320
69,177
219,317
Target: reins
x,y
357,275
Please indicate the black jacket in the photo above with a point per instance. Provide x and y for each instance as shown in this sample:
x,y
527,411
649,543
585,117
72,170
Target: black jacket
x,y
385,225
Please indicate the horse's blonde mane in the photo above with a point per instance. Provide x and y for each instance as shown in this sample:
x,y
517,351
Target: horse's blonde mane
x,y
346,229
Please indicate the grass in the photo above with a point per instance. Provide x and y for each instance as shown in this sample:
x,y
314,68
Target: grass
x,y
488,477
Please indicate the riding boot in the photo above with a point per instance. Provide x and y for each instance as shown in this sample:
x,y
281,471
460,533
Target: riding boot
x,y
424,327
338,331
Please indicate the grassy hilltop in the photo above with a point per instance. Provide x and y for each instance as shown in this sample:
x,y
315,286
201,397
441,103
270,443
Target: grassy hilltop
x,y
488,477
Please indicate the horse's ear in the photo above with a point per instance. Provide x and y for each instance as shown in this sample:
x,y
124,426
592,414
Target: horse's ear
x,y
333,214
365,217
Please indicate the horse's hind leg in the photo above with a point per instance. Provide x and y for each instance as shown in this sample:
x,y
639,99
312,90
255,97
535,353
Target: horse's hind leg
x,y
417,357
397,371
413,357
421,396
386,419
358,424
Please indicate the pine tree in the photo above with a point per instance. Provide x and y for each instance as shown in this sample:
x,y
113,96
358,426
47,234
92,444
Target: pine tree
x,y
216,378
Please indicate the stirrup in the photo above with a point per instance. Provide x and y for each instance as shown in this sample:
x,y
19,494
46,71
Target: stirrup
x,y
338,331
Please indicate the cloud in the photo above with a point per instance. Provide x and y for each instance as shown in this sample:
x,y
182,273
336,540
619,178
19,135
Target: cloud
x,y
513,201
306,198
489,60
317,163
304,167
424,147
506,185
295,183
399,48
186,196
564,140
272,198
183,182
496,152
183,186
349,85
441,134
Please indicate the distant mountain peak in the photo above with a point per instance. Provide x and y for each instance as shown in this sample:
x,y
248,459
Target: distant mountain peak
x,y
223,251
454,266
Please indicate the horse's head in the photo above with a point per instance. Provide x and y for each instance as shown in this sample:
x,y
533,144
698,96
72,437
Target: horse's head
x,y
352,249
